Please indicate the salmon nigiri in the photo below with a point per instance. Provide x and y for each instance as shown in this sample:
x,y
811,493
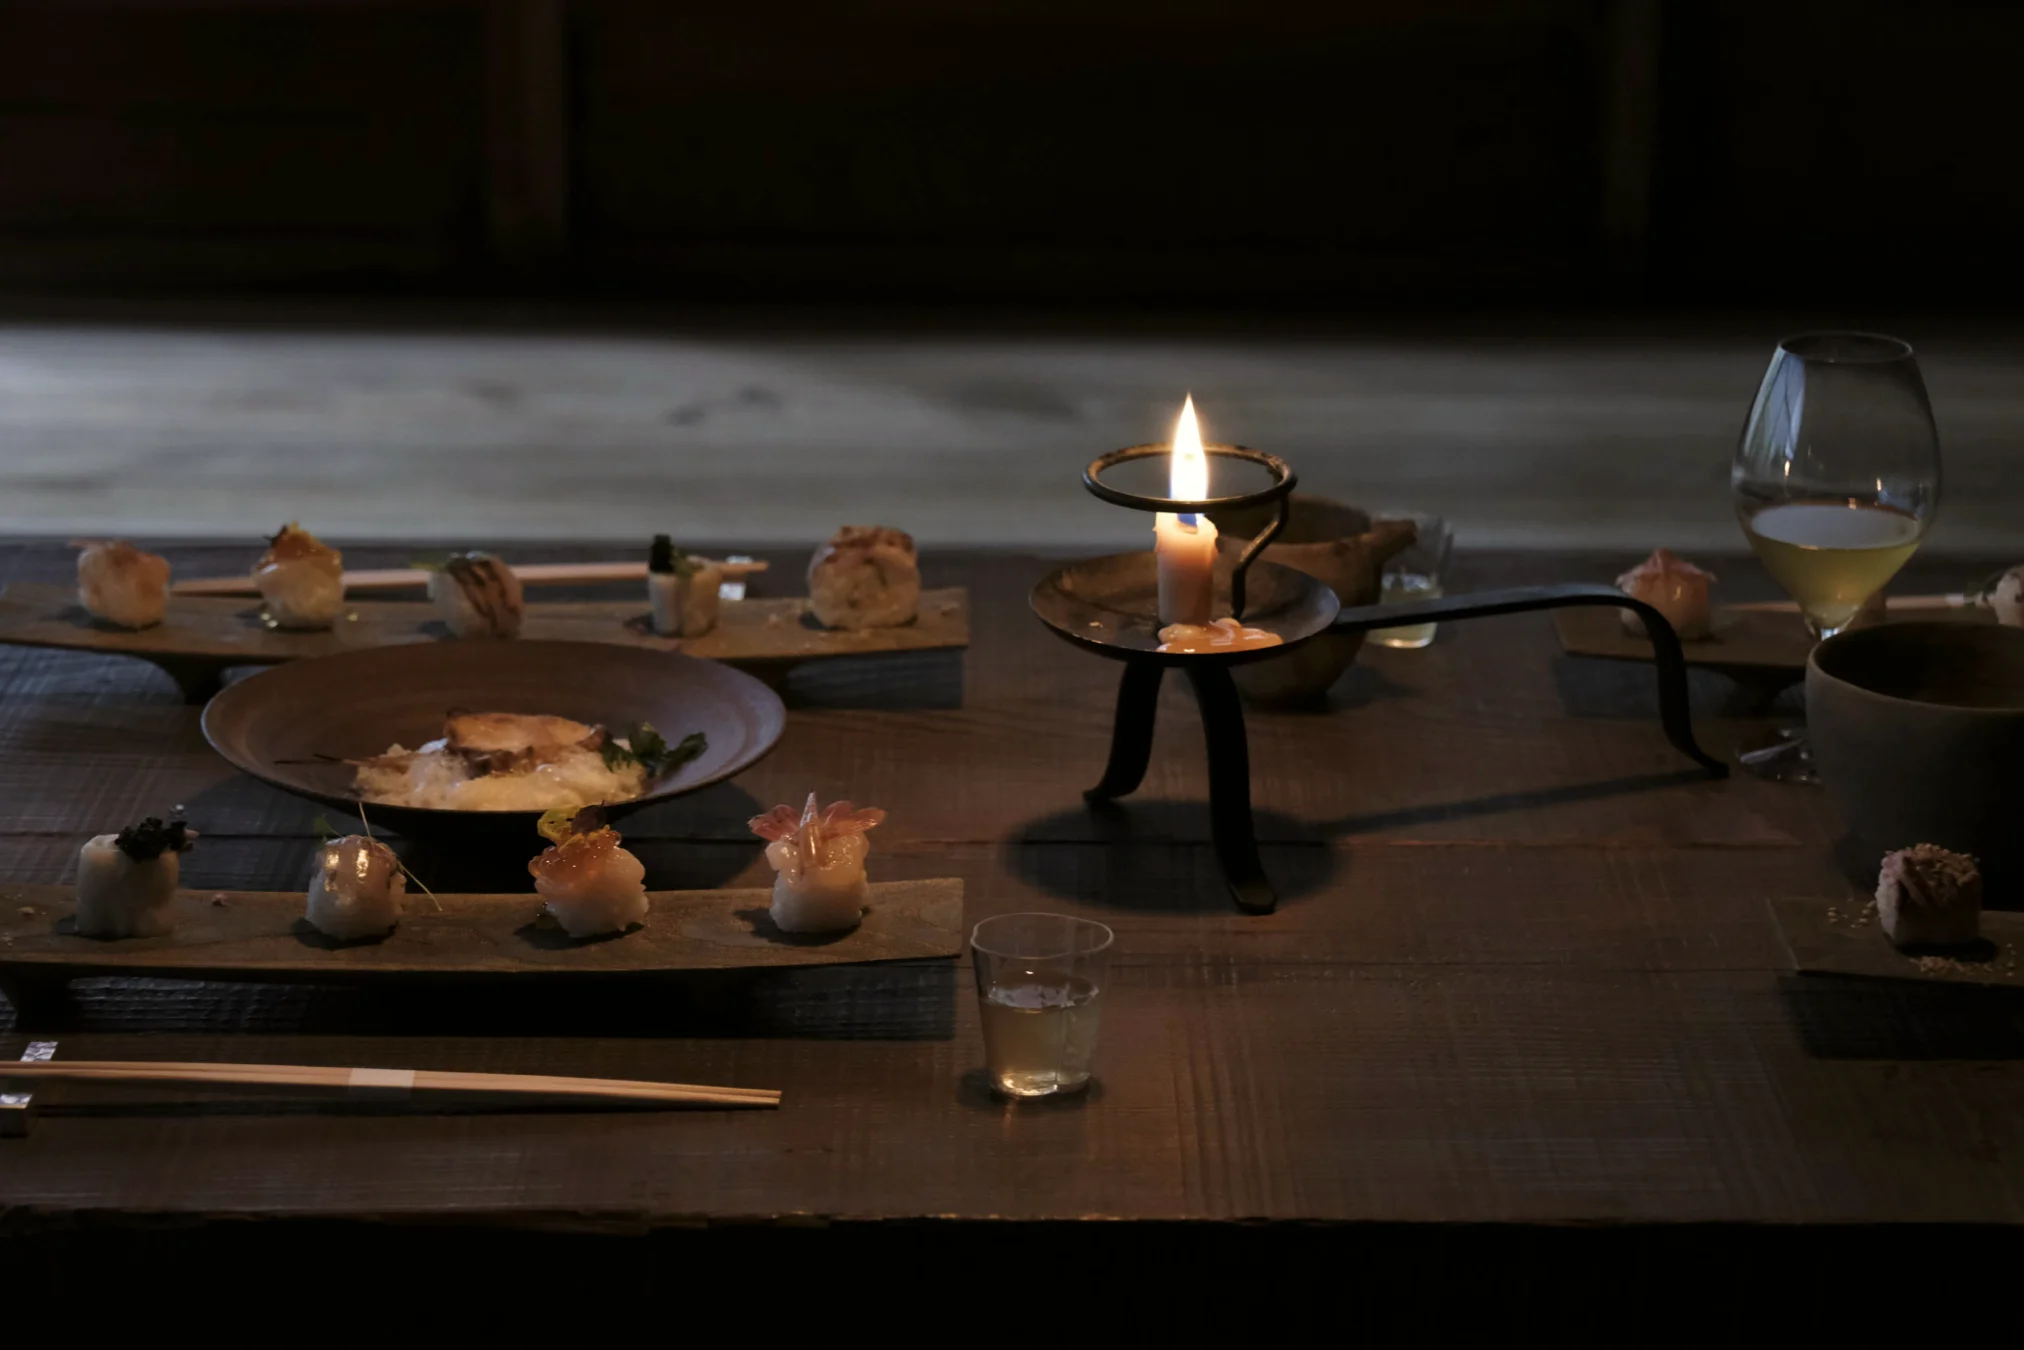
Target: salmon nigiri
x,y
592,886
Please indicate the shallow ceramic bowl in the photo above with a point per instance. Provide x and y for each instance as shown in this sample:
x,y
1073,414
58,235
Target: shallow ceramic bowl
x,y
287,726
1918,736
1335,543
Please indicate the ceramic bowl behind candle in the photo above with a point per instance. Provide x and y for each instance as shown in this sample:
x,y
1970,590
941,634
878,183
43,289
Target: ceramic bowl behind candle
x,y
1335,543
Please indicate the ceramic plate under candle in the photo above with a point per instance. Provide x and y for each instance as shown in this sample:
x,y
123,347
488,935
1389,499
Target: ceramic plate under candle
x,y
1109,605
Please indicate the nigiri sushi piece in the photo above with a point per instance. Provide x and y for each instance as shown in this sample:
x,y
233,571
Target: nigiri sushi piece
x,y
592,886
1926,894
1675,588
120,584
359,889
125,881
682,589
479,596
301,578
866,577
819,857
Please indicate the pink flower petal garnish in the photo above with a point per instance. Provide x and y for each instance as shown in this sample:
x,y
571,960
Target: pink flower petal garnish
x,y
776,824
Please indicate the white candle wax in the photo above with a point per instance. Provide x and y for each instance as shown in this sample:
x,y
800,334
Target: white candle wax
x,y
1185,546
1183,542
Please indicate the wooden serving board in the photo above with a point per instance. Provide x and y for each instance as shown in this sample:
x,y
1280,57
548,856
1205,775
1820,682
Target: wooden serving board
x,y
1747,642
1847,940
204,635
261,935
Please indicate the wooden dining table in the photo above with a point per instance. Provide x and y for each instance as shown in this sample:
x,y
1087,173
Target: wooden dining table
x,y
1522,977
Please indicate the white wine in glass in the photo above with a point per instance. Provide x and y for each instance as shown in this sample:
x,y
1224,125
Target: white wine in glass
x,y
1832,557
1836,479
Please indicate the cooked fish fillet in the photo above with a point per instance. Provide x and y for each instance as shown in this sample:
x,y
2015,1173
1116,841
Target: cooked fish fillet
x,y
517,733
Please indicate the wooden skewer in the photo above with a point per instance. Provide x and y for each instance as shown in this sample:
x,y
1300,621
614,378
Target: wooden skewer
x,y
1893,602
404,578
395,1084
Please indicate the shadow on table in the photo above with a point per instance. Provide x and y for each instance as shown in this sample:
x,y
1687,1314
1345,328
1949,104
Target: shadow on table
x,y
1499,803
1152,856
1359,687
1840,1018
1160,822
901,1001
1628,691
912,681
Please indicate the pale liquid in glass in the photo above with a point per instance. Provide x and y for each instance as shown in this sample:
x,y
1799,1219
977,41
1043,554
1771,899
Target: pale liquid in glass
x,y
1399,588
1831,556
1038,1038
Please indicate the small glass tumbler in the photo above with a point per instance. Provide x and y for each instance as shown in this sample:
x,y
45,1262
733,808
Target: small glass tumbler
x,y
1040,984
1415,573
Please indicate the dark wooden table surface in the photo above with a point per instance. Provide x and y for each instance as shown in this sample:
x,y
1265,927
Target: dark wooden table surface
x,y
1522,969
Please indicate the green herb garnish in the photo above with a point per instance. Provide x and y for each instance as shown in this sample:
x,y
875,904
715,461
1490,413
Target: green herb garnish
x,y
664,557
650,750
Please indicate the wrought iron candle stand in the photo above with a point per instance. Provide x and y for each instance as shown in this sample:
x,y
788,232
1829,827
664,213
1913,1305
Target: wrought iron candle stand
x,y
1110,606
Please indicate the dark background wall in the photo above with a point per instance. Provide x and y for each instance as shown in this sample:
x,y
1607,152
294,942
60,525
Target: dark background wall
x,y
1395,153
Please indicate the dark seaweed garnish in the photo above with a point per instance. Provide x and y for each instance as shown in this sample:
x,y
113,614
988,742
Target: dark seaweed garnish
x,y
150,839
664,558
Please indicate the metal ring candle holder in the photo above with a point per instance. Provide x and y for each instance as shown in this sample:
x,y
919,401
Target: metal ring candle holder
x,y
1110,606
1283,481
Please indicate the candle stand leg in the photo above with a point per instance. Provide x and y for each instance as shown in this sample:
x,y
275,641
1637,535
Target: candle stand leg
x,y
1230,788
1131,737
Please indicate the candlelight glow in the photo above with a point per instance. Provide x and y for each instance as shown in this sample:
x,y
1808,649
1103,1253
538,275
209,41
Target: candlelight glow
x,y
1188,467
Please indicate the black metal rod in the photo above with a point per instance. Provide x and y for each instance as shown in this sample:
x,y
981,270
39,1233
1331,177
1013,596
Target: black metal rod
x,y
1250,554
1675,713
1131,735
1230,787
1283,479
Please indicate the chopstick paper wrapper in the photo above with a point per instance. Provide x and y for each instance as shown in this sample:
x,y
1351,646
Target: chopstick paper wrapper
x,y
397,1084
18,1108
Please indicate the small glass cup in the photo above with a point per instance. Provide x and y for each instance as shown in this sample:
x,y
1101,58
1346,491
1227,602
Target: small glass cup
x,y
1040,981
1415,573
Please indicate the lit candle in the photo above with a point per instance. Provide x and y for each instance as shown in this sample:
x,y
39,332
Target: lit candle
x,y
1184,542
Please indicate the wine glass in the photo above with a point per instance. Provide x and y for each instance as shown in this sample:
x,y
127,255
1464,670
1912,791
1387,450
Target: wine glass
x,y
1835,482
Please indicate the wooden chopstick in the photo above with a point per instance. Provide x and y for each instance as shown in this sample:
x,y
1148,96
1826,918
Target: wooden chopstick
x,y
394,1084
404,578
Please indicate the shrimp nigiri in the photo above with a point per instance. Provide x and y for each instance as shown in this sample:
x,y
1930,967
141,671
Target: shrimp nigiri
x,y
1675,588
819,855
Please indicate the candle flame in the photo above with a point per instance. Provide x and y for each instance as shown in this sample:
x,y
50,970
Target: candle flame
x,y
1188,467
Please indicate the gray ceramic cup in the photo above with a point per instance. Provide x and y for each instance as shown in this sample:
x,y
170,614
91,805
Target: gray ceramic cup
x,y
1918,736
